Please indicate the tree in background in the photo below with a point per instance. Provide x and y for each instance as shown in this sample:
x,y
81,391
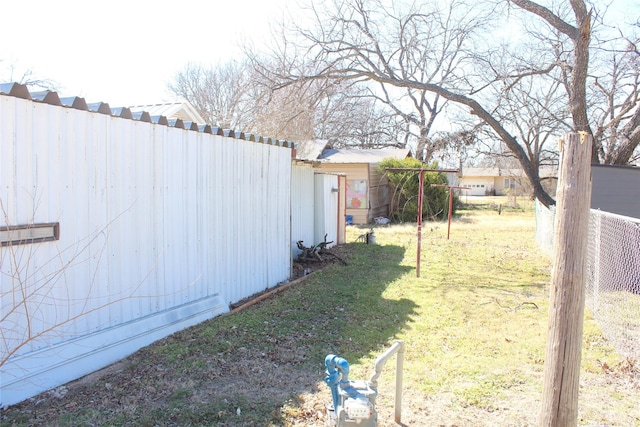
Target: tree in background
x,y
241,96
614,105
353,40
535,112
351,117
454,147
404,186
376,73
221,94
12,72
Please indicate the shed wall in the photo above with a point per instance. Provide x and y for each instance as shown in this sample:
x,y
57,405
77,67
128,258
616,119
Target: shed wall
x,y
353,171
616,189
379,193
160,228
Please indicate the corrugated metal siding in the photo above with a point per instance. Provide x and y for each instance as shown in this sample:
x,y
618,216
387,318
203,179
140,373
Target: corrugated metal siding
x,y
326,220
302,206
159,228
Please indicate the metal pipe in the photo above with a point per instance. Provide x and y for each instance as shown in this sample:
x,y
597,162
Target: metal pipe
x,y
450,187
337,372
420,191
450,212
396,347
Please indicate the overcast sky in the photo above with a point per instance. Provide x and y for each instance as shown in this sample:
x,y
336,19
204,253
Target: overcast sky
x,y
124,52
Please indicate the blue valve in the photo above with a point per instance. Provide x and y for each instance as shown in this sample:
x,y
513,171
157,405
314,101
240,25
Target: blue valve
x,y
337,372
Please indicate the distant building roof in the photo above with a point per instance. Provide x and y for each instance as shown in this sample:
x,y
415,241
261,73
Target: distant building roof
x,y
480,172
176,110
545,172
310,149
355,155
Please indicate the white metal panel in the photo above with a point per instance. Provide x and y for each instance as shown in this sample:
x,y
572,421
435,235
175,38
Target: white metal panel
x,y
326,197
154,220
302,206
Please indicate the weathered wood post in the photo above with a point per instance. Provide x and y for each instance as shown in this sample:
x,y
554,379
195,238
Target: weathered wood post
x,y
566,295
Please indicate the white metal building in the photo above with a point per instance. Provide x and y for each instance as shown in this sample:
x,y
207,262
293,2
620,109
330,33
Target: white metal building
x,y
118,229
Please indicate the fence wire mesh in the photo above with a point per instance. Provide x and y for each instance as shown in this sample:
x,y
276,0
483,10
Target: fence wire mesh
x,y
612,274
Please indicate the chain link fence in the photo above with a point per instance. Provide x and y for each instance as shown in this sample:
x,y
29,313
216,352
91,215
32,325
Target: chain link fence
x,y
612,274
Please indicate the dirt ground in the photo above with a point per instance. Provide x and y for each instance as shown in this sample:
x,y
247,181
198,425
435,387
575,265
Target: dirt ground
x,y
142,381
238,380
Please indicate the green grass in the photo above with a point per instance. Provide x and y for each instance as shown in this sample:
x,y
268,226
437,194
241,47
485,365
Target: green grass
x,y
478,290
474,325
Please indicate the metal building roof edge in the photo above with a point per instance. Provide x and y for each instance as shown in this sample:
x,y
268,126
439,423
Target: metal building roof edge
x,y
18,90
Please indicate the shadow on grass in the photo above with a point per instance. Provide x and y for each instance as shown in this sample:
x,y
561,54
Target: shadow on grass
x,y
340,310
252,368
343,311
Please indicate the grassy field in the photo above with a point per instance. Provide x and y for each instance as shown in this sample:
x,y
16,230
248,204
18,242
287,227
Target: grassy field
x,y
474,326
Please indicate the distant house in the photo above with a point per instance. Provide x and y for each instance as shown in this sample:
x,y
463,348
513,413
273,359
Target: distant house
x,y
500,181
616,189
174,110
487,181
367,189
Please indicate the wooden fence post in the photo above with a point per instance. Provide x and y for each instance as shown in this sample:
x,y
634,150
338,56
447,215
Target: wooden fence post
x,y
566,295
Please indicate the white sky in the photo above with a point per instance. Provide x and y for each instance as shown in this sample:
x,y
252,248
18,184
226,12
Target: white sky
x,y
124,52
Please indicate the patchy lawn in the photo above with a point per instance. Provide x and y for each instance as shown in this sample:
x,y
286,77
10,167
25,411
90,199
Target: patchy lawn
x,y
474,325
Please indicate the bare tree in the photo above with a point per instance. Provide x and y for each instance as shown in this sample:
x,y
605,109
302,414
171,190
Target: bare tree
x,y
220,94
352,38
418,110
535,112
616,105
613,98
534,106
286,114
14,73
349,44
349,116
237,95
454,148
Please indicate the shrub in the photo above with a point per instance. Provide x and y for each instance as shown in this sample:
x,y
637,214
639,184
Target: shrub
x,y
404,186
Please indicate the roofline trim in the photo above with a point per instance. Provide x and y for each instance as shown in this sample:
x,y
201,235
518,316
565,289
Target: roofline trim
x,y
18,90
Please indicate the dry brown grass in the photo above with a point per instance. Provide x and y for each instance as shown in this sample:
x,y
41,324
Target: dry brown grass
x,y
474,325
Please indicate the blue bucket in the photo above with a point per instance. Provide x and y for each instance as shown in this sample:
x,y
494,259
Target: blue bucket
x,y
349,219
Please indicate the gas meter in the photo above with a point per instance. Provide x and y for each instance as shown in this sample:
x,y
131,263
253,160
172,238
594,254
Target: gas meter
x,y
354,402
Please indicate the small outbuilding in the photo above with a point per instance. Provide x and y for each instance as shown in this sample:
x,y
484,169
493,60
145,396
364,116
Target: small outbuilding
x,y
367,189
